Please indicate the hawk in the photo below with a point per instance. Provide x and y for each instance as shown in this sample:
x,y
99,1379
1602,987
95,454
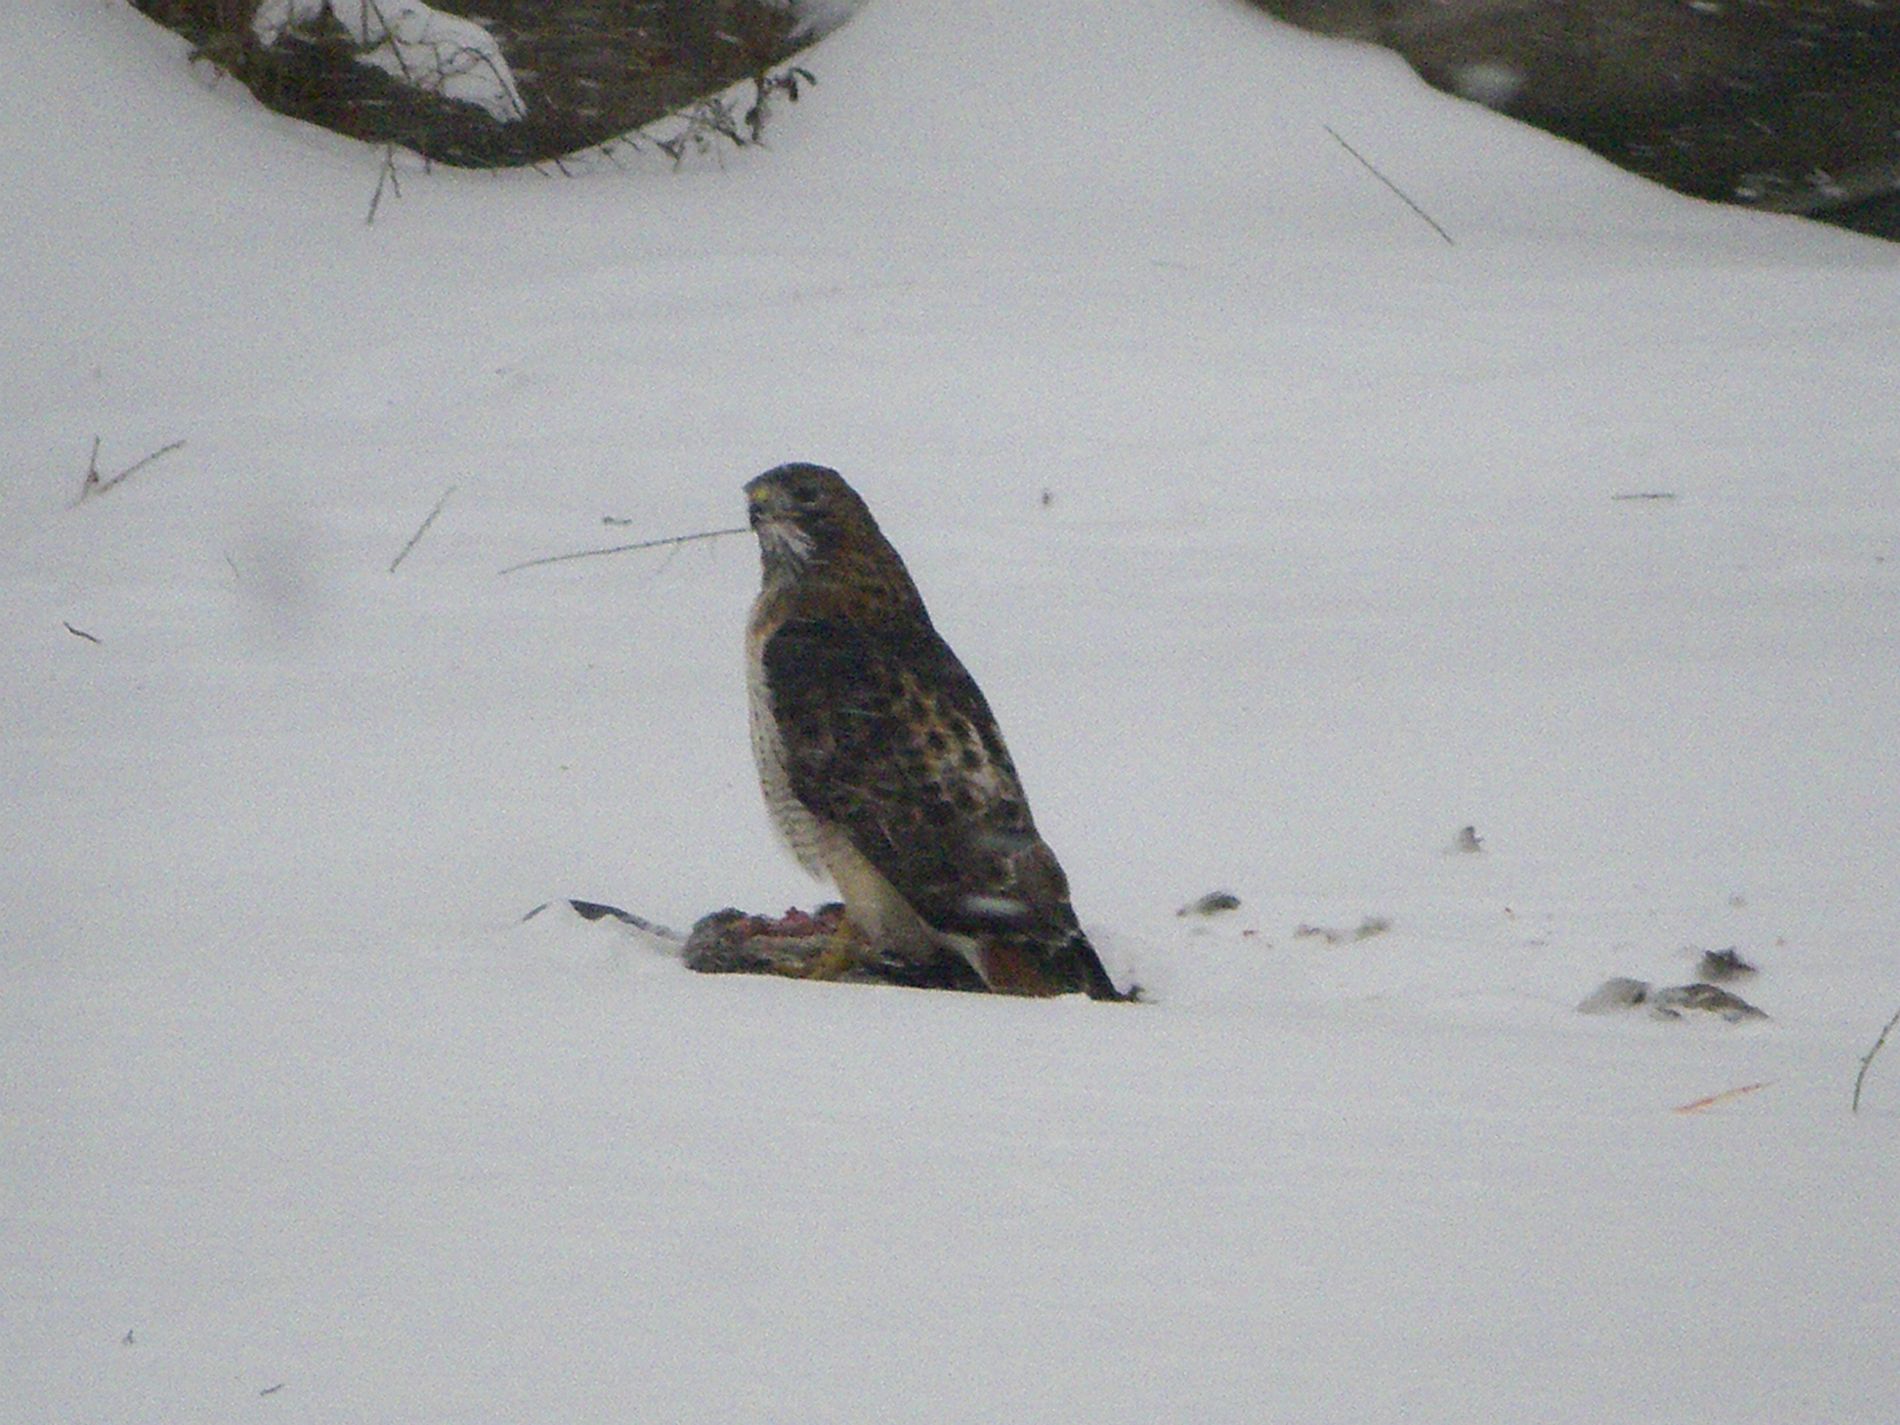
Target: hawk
x,y
881,763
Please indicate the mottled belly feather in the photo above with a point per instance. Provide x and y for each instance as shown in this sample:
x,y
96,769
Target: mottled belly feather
x,y
795,824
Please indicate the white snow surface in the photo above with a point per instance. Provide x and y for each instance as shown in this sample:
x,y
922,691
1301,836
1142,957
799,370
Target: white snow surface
x,y
817,18
303,1123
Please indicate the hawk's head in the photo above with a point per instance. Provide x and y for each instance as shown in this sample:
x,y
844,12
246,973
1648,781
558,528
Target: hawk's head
x,y
806,514
817,537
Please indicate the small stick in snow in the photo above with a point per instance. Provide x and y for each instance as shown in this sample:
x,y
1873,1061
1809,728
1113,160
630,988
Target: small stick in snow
x,y
1868,1059
95,485
386,177
626,548
1646,495
421,530
1404,197
1723,1097
81,633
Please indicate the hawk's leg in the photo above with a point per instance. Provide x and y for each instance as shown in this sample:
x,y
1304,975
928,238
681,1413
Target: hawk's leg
x,y
832,956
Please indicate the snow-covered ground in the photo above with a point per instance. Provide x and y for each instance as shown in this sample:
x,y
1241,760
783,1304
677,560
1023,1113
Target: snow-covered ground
x,y
299,1121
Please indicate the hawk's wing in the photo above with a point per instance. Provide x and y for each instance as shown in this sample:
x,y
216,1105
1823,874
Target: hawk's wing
x,y
888,737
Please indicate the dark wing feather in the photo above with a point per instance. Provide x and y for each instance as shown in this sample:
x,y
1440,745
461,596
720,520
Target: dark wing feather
x,y
887,736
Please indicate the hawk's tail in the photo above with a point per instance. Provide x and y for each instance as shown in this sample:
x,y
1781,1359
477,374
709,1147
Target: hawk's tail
x,y
1095,981
1014,962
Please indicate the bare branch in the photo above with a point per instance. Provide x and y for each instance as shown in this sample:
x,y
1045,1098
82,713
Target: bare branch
x,y
1868,1059
422,529
625,548
81,633
386,177
94,485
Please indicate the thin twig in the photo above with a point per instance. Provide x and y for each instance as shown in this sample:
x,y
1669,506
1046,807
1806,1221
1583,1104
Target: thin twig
x,y
625,548
81,633
139,465
94,485
475,58
1403,196
387,176
421,529
1868,1058
389,39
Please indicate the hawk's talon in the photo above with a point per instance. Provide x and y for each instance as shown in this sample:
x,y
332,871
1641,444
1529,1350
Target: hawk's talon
x,y
835,957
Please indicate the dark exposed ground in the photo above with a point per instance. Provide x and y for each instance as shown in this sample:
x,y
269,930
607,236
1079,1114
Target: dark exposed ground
x,y
1792,105
587,70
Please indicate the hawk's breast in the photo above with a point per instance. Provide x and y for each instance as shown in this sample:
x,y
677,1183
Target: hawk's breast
x,y
791,818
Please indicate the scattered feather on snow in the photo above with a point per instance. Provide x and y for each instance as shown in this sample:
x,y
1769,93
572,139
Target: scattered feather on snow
x,y
1715,965
1623,993
1213,903
1367,929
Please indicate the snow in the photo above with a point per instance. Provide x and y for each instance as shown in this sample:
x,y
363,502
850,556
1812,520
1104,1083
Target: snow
x,y
302,1122
817,18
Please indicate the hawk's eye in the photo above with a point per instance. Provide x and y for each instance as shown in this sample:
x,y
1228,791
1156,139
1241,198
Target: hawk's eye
x,y
805,492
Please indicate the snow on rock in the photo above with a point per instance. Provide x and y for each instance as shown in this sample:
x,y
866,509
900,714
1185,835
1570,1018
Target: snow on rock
x,y
818,18
418,44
